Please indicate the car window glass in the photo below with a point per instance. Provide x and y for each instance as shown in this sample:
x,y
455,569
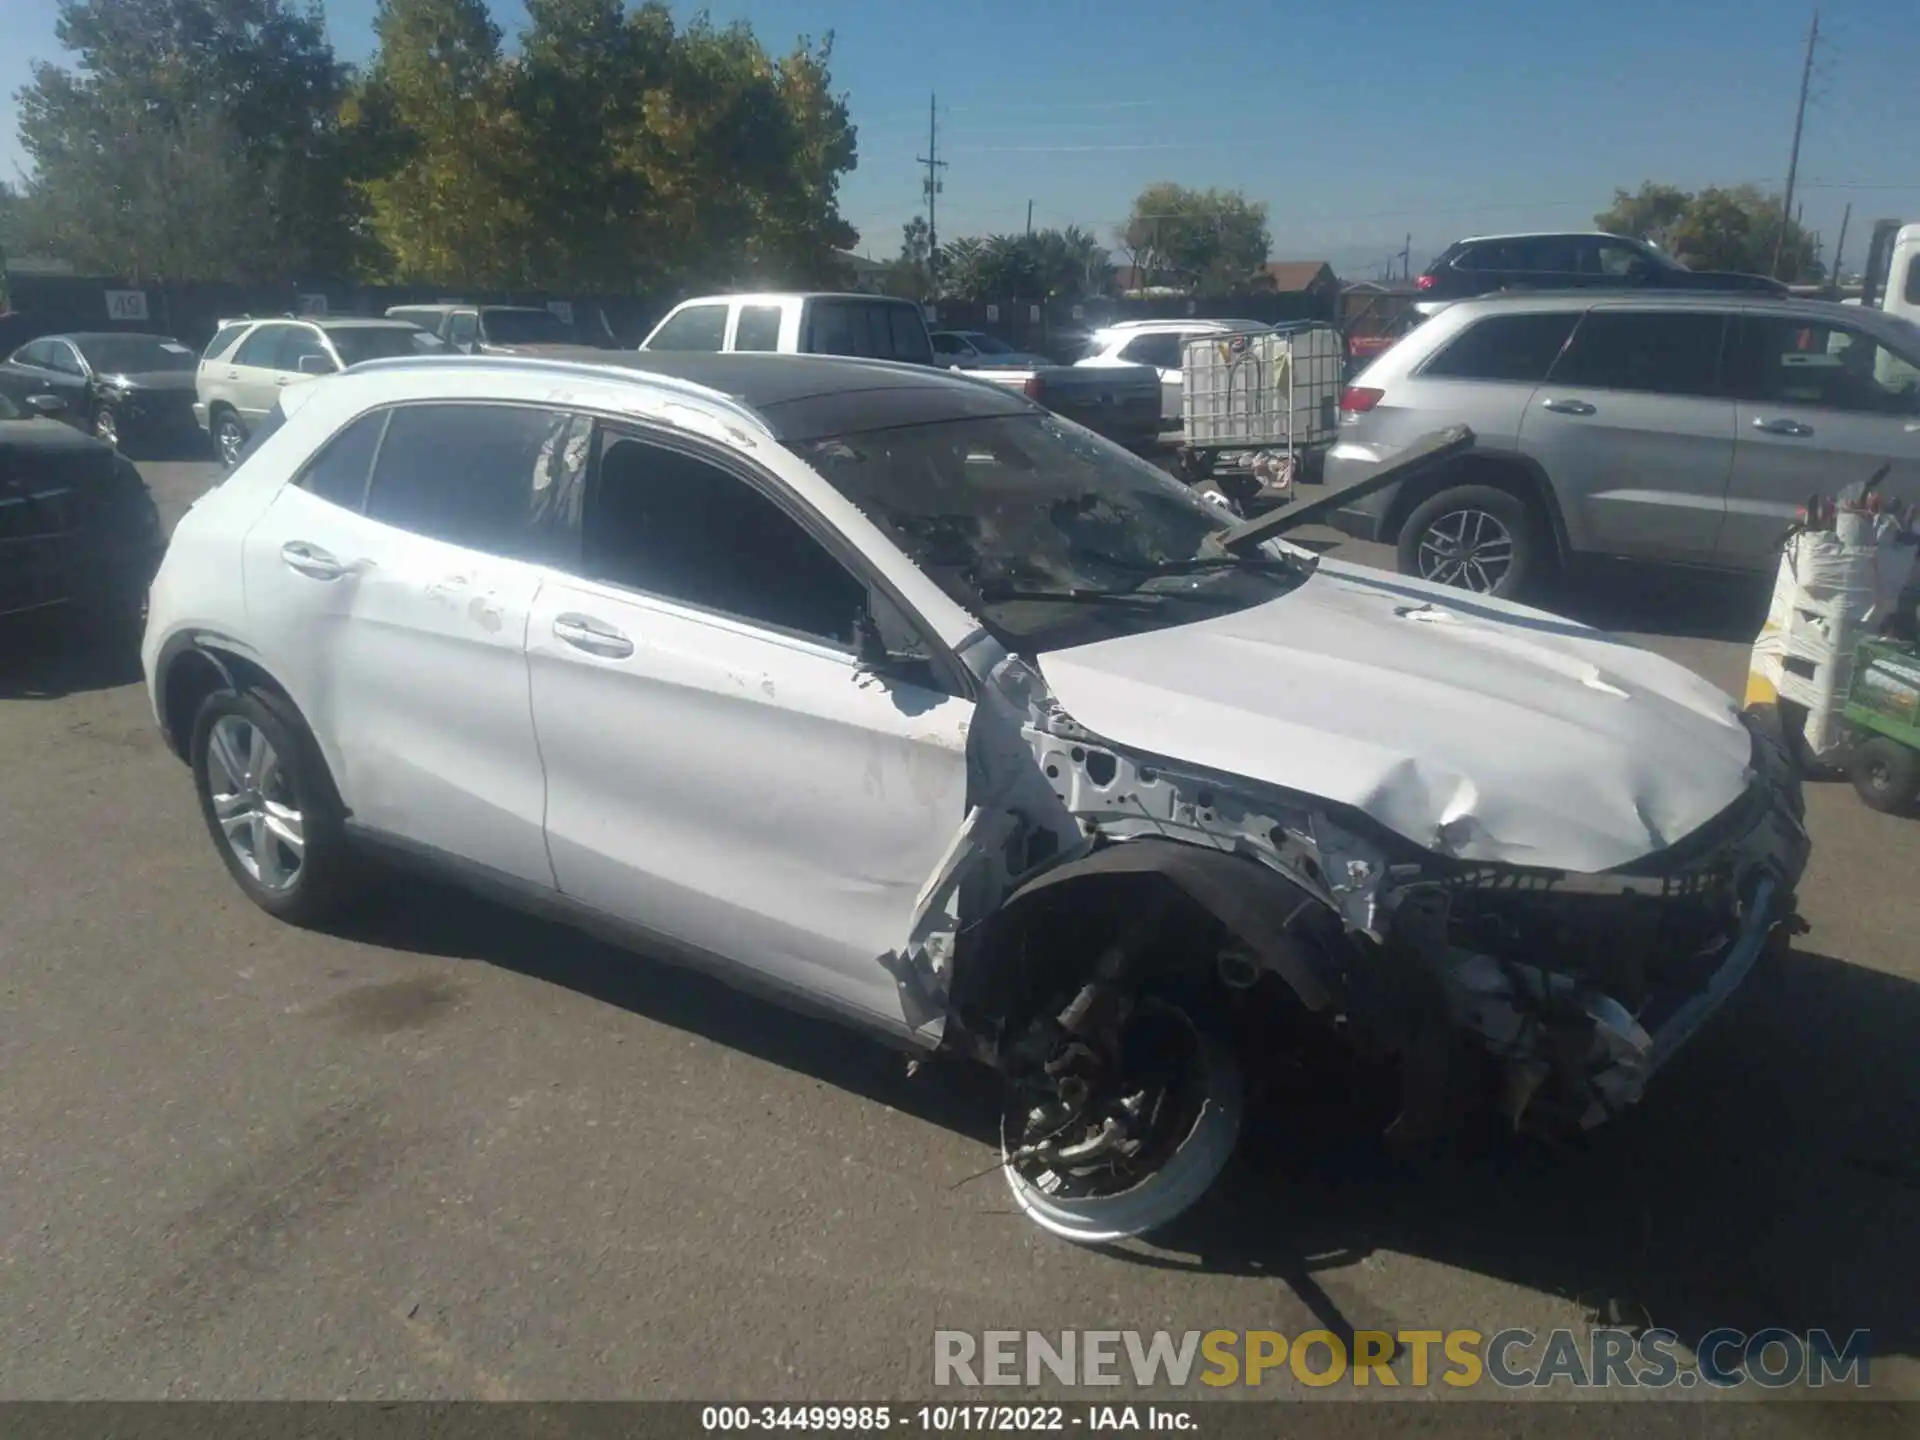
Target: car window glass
x,y
673,525
356,343
1160,351
1550,254
1505,347
34,354
461,328
339,472
1659,352
60,357
1614,258
1913,280
471,475
262,347
300,342
222,341
945,344
1786,360
873,329
758,328
698,327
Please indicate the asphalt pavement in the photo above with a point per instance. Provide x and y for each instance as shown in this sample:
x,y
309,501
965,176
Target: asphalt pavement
x,y
455,1152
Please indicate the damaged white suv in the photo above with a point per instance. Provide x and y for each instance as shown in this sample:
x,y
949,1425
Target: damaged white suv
x,y
897,694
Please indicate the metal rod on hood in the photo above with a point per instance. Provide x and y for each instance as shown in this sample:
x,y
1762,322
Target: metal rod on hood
x,y
1428,453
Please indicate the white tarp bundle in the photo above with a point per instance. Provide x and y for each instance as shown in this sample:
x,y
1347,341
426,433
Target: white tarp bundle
x,y
1834,586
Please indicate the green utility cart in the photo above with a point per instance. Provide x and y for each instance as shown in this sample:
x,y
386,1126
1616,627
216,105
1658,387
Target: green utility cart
x,y
1883,706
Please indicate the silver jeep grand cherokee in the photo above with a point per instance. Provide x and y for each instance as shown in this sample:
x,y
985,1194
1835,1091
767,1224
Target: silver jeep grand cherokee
x,y
1677,427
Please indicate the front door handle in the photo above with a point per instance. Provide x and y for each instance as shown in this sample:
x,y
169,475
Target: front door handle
x,y
1568,407
312,561
596,637
1781,427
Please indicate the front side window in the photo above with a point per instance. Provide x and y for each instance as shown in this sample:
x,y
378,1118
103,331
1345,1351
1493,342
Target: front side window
x,y
36,354
698,327
1160,351
1912,290
60,357
462,327
356,343
222,341
526,327
1785,360
947,343
262,348
1516,348
470,475
1051,535
1658,352
671,524
303,345
758,328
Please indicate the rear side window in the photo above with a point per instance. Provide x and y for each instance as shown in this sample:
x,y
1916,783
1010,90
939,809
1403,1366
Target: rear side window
x,y
758,328
339,472
475,476
1658,352
1518,348
873,329
698,327
263,347
222,341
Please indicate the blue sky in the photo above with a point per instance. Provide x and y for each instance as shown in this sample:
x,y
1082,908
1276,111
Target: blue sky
x,y
1358,123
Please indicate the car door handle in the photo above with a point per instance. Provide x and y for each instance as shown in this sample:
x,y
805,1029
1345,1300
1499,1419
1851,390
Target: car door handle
x,y
1568,407
282,379
312,561
1781,427
595,637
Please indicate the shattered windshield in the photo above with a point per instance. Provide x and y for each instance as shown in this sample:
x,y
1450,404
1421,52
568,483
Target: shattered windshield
x,y
1050,534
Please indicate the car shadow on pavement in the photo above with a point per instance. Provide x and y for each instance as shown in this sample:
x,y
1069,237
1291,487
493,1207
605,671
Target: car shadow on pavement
x,y
1771,1177
427,916
47,655
1665,600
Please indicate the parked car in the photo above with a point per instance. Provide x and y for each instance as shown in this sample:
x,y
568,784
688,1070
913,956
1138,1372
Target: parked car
x,y
1481,264
249,362
1120,404
493,329
977,350
889,693
1680,428
1161,345
116,385
78,528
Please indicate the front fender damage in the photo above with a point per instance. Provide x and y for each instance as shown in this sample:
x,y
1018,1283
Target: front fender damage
x,y
1456,970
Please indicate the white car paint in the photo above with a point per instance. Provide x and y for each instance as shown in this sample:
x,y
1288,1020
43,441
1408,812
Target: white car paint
x,y
765,801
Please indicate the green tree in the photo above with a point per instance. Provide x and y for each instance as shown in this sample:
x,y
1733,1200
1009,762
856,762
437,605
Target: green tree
x,y
909,276
435,118
1212,241
1718,228
258,74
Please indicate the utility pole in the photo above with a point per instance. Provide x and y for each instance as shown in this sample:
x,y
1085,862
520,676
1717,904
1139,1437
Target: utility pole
x,y
1405,257
1793,159
931,185
1029,217
1839,248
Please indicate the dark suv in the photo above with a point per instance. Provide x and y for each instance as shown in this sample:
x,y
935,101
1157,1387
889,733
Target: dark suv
x,y
1482,264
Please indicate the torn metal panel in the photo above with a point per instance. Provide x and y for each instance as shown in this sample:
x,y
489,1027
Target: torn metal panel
x,y
1494,734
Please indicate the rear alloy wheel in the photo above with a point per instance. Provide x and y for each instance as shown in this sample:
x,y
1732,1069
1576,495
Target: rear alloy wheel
x,y
1886,774
106,425
1473,537
1140,1148
229,437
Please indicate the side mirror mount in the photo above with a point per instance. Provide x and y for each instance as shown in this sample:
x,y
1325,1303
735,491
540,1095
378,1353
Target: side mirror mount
x,y
47,405
869,645
316,365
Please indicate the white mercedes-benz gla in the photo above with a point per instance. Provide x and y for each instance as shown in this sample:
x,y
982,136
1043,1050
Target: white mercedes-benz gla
x,y
892,693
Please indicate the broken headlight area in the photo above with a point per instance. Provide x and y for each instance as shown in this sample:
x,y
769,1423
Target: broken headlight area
x,y
1581,987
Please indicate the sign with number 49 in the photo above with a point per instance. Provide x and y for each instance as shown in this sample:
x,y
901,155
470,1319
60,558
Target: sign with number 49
x,y
126,304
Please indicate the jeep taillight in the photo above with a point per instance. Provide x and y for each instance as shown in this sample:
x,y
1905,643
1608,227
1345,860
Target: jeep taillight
x,y
1423,282
1358,399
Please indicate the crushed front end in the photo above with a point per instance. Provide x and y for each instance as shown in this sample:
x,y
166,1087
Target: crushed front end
x,y
1579,988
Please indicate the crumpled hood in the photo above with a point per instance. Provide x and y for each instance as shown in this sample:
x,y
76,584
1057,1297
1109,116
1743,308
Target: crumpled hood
x,y
1472,727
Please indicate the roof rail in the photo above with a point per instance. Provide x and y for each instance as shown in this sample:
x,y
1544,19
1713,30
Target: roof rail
x,y
543,365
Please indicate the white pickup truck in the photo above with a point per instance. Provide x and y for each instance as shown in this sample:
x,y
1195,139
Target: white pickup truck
x,y
1123,404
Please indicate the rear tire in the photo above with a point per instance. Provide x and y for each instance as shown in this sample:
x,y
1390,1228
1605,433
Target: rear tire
x,y
1886,775
229,436
1477,538
269,804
